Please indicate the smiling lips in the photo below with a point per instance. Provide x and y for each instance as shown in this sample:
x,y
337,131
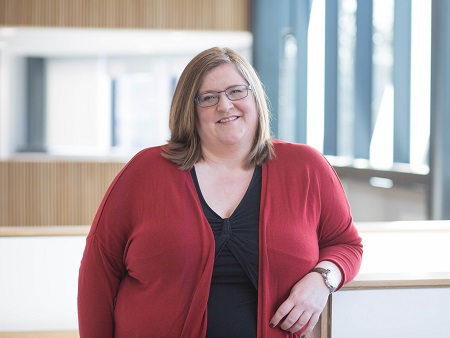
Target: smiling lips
x,y
228,119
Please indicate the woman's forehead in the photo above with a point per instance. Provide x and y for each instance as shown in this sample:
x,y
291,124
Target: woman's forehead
x,y
221,77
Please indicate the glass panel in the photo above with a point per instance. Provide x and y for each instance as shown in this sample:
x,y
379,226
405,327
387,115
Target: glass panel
x,y
381,147
316,75
420,83
346,76
286,117
141,111
78,106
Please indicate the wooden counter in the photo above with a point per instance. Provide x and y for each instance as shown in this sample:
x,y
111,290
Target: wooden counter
x,y
399,280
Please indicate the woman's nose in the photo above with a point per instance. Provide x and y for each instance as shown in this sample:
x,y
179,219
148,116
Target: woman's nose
x,y
224,103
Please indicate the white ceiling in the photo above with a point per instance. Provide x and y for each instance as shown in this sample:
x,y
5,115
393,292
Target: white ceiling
x,y
53,42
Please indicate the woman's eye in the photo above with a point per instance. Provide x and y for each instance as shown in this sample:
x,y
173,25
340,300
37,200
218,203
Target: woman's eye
x,y
207,98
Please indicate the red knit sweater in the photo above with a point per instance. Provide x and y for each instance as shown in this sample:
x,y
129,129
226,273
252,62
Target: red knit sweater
x,y
147,265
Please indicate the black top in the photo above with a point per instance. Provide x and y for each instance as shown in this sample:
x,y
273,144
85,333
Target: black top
x,y
233,298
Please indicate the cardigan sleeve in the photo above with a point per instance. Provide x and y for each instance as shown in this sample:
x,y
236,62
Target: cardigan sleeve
x,y
339,241
99,279
102,266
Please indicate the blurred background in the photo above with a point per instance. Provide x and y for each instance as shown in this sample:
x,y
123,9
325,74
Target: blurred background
x,y
84,85
87,84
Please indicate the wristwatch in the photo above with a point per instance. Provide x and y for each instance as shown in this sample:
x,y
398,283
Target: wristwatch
x,y
327,275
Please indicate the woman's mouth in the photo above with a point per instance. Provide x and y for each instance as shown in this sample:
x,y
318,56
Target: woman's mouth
x,y
228,119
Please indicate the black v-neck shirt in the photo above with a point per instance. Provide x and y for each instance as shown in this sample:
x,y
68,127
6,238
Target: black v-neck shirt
x,y
233,298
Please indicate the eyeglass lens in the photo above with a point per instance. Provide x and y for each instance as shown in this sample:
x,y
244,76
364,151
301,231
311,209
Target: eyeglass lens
x,y
212,98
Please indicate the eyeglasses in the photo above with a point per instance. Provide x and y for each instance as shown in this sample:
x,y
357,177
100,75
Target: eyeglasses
x,y
233,93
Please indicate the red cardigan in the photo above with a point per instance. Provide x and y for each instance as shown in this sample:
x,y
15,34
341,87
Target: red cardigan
x,y
147,265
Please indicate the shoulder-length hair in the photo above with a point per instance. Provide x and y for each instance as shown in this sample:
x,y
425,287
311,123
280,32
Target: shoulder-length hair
x,y
184,146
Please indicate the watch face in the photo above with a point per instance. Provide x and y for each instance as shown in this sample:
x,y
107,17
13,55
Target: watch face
x,y
329,277
332,279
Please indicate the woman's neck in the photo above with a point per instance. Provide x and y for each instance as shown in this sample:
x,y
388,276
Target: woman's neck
x,y
226,159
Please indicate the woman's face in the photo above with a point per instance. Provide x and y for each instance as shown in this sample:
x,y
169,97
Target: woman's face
x,y
228,125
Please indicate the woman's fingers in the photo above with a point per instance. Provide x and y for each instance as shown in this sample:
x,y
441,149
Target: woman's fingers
x,y
301,310
282,312
300,323
293,318
311,325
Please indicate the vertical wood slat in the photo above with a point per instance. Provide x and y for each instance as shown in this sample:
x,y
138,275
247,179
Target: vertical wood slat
x,y
231,15
4,205
39,193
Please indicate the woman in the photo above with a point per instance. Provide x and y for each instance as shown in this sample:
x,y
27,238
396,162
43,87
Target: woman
x,y
223,232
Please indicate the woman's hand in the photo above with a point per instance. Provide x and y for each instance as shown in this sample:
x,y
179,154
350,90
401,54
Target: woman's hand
x,y
301,310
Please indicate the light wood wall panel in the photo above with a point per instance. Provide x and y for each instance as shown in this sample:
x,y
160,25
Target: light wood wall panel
x,y
231,15
4,214
40,193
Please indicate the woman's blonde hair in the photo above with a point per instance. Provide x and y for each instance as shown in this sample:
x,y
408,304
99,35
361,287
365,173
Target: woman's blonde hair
x,y
184,147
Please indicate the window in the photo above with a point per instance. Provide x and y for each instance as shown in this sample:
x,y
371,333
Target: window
x,y
94,92
383,81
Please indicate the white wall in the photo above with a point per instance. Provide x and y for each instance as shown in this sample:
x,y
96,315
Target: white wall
x,y
391,313
38,282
